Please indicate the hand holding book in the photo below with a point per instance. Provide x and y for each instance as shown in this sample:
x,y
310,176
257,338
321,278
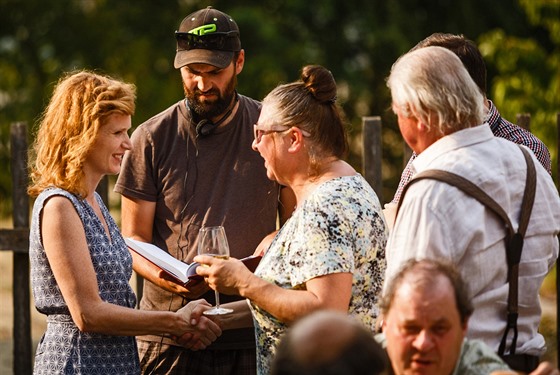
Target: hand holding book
x,y
191,290
173,269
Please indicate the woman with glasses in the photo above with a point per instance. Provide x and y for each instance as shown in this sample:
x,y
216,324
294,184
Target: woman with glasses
x,y
331,253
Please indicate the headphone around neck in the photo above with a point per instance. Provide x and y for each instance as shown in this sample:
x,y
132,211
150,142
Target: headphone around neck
x,y
206,127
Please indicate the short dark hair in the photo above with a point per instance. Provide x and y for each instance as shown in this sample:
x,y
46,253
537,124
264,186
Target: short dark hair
x,y
429,270
465,49
335,344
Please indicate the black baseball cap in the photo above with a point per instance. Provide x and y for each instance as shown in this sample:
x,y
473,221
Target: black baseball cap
x,y
207,36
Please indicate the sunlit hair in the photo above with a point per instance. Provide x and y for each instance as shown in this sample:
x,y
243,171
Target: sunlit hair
x,y
432,85
465,49
310,104
68,127
424,274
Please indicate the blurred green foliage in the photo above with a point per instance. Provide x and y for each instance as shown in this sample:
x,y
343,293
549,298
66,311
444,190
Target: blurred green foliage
x,y
358,40
526,68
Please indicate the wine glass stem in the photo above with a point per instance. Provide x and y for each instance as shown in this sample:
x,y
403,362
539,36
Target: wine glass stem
x,y
217,299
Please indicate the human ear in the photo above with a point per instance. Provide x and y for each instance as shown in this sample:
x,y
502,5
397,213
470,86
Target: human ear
x,y
240,62
295,139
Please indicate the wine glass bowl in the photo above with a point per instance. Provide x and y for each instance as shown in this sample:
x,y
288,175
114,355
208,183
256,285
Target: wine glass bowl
x,y
212,241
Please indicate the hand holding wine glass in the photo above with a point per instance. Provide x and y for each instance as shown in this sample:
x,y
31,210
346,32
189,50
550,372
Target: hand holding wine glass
x,y
212,241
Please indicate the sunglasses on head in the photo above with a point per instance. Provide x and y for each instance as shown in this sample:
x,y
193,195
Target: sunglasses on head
x,y
213,41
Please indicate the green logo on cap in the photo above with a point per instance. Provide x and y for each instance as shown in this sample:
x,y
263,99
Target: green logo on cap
x,y
203,30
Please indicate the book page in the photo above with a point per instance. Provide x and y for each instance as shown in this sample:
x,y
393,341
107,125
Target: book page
x,y
160,258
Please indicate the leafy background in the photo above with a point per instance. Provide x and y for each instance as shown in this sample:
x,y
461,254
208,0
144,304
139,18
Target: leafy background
x,y
358,40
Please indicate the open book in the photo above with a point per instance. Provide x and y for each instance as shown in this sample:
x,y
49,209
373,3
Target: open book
x,y
181,272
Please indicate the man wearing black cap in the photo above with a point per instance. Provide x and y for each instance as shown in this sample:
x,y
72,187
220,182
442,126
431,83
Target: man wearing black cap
x,y
192,166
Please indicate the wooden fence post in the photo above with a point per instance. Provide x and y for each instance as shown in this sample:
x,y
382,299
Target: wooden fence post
x,y
371,130
21,294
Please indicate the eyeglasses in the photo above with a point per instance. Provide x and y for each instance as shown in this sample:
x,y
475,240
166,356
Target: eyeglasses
x,y
260,132
213,41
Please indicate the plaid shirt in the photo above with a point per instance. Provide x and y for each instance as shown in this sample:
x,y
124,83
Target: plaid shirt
x,y
501,128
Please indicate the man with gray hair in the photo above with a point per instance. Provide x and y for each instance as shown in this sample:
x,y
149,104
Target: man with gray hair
x,y
472,59
440,114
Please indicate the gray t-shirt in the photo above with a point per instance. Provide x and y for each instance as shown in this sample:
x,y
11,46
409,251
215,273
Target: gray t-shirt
x,y
214,180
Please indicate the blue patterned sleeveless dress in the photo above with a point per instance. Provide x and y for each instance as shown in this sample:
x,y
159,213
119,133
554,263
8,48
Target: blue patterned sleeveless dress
x,y
64,349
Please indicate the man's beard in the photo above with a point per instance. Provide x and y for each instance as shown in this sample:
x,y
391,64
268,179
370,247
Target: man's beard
x,y
211,109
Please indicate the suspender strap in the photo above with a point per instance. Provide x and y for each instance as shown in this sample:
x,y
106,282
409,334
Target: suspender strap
x,y
514,249
513,240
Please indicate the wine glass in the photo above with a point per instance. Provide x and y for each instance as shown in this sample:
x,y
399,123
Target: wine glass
x,y
212,241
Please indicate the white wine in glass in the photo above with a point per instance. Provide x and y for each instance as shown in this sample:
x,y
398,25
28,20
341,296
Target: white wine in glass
x,y
212,241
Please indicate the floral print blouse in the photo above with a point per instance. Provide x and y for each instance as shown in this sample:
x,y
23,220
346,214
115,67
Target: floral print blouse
x,y
338,228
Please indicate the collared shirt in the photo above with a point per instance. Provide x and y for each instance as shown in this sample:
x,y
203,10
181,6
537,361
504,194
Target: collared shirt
x,y
501,128
476,358
440,221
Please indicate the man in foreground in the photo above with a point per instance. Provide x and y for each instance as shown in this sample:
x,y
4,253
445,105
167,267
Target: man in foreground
x,y
329,342
426,312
